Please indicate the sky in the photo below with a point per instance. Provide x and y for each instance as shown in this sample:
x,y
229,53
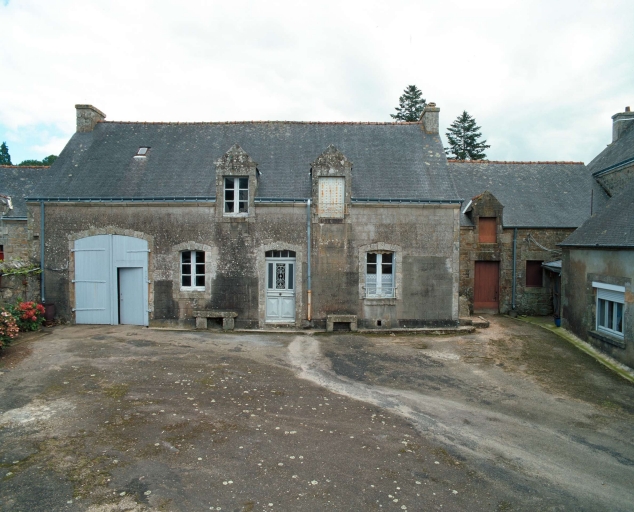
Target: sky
x,y
541,78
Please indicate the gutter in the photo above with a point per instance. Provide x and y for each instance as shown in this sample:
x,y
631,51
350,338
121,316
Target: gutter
x,y
596,174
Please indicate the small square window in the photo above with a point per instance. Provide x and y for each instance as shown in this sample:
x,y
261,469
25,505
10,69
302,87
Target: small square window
x,y
236,196
142,151
193,270
534,274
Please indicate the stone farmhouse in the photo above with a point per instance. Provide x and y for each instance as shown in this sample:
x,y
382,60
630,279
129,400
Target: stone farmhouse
x,y
513,217
598,258
253,224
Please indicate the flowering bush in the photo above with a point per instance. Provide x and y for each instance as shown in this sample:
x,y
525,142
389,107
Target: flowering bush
x,y
8,328
28,315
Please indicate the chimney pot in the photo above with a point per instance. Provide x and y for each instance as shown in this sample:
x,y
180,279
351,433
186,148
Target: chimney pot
x,y
87,117
627,109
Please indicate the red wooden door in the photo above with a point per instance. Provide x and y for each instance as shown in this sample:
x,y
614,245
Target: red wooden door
x,y
486,286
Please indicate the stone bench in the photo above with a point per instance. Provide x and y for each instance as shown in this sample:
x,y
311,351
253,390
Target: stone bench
x,y
331,320
227,318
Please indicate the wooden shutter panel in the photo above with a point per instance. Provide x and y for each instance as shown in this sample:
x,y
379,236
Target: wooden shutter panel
x,y
488,230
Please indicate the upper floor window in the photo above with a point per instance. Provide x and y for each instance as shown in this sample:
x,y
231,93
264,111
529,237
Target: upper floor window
x,y
534,273
236,196
488,230
193,270
610,304
379,276
331,197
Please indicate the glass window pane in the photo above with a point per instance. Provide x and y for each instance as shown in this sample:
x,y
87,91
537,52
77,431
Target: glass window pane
x,y
200,280
371,257
610,314
229,207
387,257
186,257
244,183
618,321
186,269
372,268
242,207
200,257
601,312
270,276
200,268
228,183
268,254
186,281
244,195
229,195
386,268
290,276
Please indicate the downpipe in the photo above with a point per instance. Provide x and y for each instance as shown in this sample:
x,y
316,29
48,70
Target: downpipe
x,y
309,291
42,298
514,265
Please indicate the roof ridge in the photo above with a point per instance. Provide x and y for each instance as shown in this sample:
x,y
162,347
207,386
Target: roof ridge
x,y
266,122
24,166
454,161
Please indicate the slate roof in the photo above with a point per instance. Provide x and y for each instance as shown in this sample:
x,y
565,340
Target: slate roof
x,y
18,183
619,152
534,194
390,160
613,226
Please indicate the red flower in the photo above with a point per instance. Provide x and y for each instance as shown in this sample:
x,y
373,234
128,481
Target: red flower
x,y
33,318
40,308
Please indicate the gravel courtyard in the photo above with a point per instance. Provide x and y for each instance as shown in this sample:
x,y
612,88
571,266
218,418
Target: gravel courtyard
x,y
122,418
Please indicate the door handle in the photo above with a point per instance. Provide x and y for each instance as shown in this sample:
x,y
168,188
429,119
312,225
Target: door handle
x,y
280,294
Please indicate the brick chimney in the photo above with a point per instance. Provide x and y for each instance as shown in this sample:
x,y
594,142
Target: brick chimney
x,y
621,122
87,117
429,118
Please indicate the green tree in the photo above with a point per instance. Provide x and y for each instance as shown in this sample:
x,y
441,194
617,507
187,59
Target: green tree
x,y
463,137
410,105
38,163
5,157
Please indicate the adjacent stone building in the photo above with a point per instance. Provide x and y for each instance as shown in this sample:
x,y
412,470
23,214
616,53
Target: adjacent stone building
x,y
273,223
16,183
598,258
513,216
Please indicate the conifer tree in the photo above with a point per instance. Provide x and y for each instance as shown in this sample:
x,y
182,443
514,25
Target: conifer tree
x,y
463,137
5,157
410,105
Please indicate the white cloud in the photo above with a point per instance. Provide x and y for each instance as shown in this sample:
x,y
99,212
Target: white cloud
x,y
542,78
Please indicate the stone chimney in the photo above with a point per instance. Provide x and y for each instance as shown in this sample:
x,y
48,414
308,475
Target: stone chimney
x,y
429,118
87,117
621,122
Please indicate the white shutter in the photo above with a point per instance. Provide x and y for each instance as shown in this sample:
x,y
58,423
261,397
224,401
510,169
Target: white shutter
x,y
611,295
331,197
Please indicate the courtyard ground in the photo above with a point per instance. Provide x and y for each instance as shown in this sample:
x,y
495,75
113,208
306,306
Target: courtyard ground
x,y
113,418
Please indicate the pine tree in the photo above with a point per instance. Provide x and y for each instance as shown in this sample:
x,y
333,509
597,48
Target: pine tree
x,y
463,137
5,157
410,105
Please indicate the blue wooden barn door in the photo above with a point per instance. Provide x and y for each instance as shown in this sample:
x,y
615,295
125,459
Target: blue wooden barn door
x,y
132,310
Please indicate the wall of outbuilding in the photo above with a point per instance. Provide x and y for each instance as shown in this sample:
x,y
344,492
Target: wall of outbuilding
x,y
426,238
528,300
580,268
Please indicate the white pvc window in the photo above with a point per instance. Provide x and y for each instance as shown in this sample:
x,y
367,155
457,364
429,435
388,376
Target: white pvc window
x,y
193,270
331,197
610,305
379,276
236,196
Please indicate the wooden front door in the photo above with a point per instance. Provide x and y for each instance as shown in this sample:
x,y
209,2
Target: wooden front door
x,y
486,287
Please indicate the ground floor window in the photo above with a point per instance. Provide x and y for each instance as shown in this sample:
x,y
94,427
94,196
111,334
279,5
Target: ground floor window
x,y
193,270
379,277
534,274
610,305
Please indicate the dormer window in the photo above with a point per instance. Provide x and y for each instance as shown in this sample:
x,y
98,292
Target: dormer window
x,y
142,151
331,197
237,196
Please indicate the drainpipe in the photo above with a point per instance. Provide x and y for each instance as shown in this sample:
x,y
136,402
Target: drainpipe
x,y
514,265
42,251
308,285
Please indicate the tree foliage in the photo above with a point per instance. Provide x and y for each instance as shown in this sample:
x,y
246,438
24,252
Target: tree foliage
x,y
5,157
38,163
410,105
464,141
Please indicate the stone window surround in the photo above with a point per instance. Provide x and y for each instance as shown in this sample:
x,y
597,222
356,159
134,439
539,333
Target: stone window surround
x,y
398,272
111,230
211,265
300,261
235,163
332,163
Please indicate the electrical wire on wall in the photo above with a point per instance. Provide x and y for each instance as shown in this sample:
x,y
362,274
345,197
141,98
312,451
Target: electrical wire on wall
x,y
529,238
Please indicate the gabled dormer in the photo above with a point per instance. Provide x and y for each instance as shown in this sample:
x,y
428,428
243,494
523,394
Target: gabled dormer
x,y
485,211
331,186
236,185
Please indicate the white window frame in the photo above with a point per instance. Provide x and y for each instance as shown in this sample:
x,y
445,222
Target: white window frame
x,y
194,274
332,187
380,292
610,297
235,211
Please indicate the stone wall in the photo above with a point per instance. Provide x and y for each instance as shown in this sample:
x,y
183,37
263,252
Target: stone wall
x,y
426,239
14,238
613,182
528,300
580,267
13,288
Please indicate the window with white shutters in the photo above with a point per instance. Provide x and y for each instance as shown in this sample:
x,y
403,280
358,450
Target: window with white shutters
x,y
331,197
